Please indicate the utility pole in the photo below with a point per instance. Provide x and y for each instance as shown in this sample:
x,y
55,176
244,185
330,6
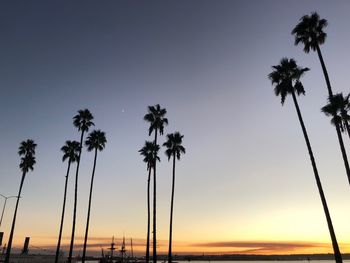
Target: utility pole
x,y
3,208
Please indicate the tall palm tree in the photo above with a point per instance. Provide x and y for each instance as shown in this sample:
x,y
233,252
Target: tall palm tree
x,y
174,150
83,121
309,31
156,118
286,78
27,152
95,141
341,106
71,152
150,153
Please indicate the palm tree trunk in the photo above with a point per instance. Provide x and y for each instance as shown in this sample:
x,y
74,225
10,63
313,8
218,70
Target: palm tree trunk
x,y
337,255
62,217
75,200
325,73
154,205
89,208
330,93
148,214
171,214
9,244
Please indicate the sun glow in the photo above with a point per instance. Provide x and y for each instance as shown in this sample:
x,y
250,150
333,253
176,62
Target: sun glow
x,y
95,245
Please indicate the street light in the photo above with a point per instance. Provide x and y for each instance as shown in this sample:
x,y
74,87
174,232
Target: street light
x,y
3,209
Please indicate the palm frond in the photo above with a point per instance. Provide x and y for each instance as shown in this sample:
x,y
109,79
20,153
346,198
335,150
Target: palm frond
x,y
174,146
96,140
156,119
27,147
83,120
27,163
150,153
286,78
338,108
309,31
299,88
71,151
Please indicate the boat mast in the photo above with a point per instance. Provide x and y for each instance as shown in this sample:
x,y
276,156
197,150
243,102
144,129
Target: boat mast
x,y
122,250
112,248
132,250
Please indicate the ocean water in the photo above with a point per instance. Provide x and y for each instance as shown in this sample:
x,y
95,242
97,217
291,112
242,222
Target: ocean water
x,y
254,261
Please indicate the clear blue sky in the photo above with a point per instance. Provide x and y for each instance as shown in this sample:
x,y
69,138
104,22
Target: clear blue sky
x,y
246,175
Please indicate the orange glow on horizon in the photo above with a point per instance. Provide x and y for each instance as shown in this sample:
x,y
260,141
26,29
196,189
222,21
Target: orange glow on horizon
x,y
95,245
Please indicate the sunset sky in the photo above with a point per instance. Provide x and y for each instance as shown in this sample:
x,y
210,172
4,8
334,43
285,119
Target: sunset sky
x,y
245,184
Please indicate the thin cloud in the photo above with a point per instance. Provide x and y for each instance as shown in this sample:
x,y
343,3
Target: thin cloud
x,y
261,247
259,244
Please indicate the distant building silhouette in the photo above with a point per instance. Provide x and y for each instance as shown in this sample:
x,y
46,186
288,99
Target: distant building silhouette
x,y
25,247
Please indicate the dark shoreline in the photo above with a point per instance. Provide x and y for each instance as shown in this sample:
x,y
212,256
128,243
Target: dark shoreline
x,y
243,257
223,257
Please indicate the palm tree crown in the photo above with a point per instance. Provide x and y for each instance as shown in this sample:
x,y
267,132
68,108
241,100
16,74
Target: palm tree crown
x,y
155,117
173,145
96,140
286,77
27,151
83,120
150,153
27,163
309,31
70,151
27,148
338,108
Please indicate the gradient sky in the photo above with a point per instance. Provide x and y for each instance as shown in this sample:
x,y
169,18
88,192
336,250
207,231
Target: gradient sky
x,y
245,183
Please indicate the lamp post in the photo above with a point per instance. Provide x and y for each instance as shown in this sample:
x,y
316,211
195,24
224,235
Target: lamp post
x,y
3,209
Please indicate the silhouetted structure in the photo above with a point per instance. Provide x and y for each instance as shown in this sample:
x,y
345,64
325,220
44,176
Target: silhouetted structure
x,y
83,121
122,251
286,78
95,141
309,31
25,246
156,118
4,206
27,151
150,153
111,248
174,150
71,152
132,249
341,106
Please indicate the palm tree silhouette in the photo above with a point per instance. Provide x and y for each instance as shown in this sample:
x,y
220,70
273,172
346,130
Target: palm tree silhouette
x,y
155,117
341,106
286,78
95,141
71,152
27,152
309,31
83,121
150,153
174,150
